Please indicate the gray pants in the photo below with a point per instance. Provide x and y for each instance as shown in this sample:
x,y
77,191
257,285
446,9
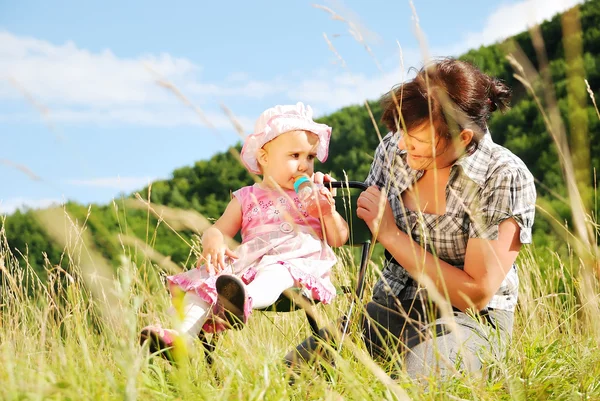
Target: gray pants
x,y
413,336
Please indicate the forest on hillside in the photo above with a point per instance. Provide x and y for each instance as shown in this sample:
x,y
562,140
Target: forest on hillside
x,y
205,186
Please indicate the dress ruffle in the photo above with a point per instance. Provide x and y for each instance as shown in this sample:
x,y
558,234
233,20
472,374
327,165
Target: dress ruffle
x,y
307,258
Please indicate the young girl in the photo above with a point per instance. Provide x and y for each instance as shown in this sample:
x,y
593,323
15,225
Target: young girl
x,y
282,245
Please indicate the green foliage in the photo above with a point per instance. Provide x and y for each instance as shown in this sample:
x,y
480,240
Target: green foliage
x,y
353,141
206,186
26,237
67,342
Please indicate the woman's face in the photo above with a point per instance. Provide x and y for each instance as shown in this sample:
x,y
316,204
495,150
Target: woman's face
x,y
426,150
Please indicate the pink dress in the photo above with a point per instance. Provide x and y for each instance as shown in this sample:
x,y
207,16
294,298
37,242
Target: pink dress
x,y
276,230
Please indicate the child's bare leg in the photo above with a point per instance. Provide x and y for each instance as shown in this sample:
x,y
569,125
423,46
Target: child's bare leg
x,y
268,285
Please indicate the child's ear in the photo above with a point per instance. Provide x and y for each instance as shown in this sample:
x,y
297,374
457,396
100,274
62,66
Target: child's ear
x,y
262,157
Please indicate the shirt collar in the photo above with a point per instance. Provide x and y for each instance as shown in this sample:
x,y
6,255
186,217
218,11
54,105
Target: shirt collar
x,y
407,176
475,162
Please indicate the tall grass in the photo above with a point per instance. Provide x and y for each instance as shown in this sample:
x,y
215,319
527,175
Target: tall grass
x,y
65,341
73,335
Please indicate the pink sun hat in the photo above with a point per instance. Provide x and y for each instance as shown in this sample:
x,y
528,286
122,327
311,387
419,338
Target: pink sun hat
x,y
279,120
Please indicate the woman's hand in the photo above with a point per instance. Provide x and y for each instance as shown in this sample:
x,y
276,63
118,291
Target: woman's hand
x,y
373,207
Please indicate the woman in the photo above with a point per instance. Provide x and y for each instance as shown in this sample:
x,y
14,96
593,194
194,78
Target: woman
x,y
452,209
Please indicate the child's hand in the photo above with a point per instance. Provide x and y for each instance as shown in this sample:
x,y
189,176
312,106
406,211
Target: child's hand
x,y
214,257
326,195
326,202
320,178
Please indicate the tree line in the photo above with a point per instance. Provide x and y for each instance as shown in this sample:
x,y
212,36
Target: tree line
x,y
205,187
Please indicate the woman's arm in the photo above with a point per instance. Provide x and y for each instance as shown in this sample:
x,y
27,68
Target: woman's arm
x,y
486,262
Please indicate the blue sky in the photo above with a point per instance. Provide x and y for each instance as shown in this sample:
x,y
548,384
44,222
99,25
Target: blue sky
x,y
83,118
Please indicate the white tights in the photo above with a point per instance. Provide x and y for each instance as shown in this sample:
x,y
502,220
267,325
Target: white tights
x,y
264,290
268,285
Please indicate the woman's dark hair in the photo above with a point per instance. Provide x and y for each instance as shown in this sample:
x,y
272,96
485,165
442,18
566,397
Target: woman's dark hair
x,y
458,94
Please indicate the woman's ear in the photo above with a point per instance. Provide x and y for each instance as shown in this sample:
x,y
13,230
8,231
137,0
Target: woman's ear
x,y
466,137
262,157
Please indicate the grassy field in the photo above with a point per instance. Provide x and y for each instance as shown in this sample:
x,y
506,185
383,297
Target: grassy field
x,y
73,335
74,341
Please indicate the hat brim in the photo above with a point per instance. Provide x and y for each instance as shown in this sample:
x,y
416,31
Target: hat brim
x,y
280,125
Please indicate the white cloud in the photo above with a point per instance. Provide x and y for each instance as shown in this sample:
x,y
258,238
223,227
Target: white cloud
x,y
71,84
342,90
119,183
9,206
80,86
250,88
134,116
332,92
66,74
511,19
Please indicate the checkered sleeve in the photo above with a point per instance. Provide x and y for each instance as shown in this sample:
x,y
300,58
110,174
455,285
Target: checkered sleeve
x,y
508,194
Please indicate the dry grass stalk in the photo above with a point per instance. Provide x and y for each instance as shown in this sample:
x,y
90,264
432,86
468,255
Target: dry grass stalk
x,y
164,262
97,273
22,168
577,175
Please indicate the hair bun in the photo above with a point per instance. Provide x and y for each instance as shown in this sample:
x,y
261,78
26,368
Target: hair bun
x,y
499,95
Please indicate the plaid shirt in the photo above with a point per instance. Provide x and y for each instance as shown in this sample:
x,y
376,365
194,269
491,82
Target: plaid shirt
x,y
486,186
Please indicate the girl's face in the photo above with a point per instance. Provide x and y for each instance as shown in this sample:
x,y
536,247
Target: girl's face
x,y
426,150
288,156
